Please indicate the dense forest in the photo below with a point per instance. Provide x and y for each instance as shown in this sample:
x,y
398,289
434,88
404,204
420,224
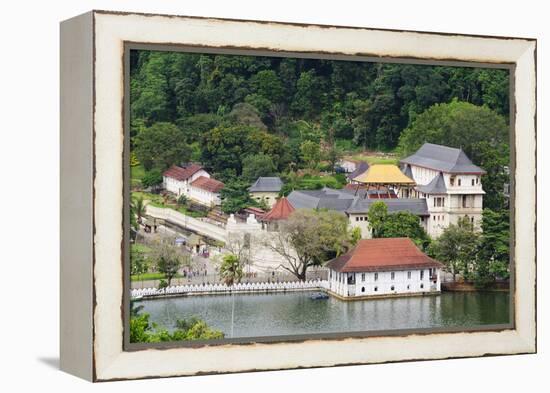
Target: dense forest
x,y
279,114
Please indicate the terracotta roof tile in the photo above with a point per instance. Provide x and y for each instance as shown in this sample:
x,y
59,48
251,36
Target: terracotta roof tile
x,y
382,255
280,211
208,184
181,174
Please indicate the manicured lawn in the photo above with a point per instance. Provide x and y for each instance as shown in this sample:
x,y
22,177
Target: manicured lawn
x,y
158,201
136,174
374,159
140,248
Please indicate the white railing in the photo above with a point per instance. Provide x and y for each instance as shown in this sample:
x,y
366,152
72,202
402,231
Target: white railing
x,y
236,288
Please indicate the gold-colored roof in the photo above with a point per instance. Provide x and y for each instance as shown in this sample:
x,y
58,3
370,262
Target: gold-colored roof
x,y
384,174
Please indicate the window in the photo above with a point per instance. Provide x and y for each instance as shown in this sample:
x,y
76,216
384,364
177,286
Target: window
x,y
421,286
443,202
409,275
356,218
375,276
362,289
421,274
473,182
472,220
464,201
375,289
362,276
392,275
459,182
452,180
392,288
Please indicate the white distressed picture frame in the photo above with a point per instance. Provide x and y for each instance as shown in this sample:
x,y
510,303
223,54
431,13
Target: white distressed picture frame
x,y
92,147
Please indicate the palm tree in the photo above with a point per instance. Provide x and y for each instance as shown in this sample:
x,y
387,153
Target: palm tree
x,y
138,208
231,269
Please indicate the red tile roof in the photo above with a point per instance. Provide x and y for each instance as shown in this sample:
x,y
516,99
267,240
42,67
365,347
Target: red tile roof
x,y
383,254
181,174
280,211
208,184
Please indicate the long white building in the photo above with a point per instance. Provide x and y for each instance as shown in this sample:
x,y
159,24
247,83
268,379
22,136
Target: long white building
x,y
194,182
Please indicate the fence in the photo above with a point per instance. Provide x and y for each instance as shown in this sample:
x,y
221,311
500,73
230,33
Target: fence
x,y
224,289
211,278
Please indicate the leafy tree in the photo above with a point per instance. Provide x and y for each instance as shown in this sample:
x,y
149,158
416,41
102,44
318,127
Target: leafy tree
x,y
168,260
311,153
152,178
161,145
246,115
231,269
399,224
235,196
377,214
494,249
257,165
457,247
138,262
225,147
456,124
267,84
308,238
196,125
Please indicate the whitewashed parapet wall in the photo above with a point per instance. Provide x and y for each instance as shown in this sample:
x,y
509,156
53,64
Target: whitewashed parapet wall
x,y
237,288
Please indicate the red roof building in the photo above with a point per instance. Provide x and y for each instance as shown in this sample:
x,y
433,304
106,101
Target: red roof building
x,y
384,266
280,211
182,174
208,184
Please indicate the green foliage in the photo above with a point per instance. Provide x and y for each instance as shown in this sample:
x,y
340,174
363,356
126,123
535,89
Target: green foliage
x,y
399,224
355,235
225,147
309,238
311,153
195,126
457,248
231,269
168,260
182,200
245,114
161,145
143,331
235,196
494,248
152,178
257,165
139,264
309,182
372,102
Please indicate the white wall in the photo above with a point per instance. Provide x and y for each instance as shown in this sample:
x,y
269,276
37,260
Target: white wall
x,y
367,284
204,197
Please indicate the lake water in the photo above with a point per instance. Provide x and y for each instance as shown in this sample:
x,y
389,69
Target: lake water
x,y
293,313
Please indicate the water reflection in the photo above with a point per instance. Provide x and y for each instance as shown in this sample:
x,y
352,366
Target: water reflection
x,y
295,313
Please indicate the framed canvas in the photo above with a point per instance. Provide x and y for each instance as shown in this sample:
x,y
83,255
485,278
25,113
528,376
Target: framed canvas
x,y
248,195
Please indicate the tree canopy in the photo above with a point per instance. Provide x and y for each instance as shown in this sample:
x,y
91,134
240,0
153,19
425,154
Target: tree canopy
x,y
399,224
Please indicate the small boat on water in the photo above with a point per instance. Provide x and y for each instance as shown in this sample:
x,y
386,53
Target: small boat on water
x,y
319,296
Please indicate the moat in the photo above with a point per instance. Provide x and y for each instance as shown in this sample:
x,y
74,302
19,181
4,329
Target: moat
x,y
256,315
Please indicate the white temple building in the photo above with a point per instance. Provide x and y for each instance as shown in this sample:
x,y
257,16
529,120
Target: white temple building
x,y
383,267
